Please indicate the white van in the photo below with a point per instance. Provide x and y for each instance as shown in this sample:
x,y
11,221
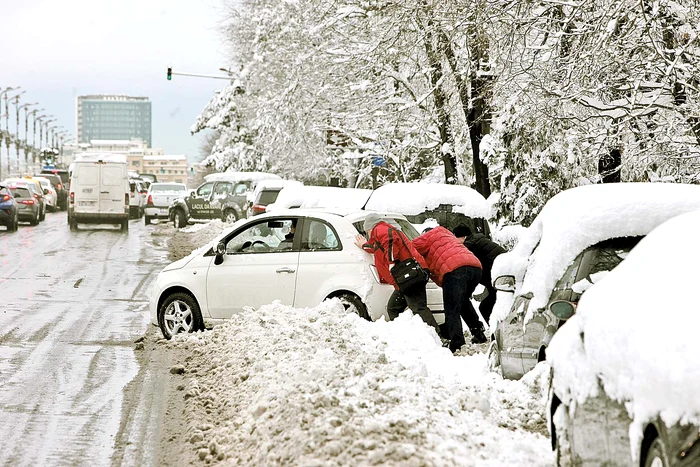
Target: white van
x,y
99,191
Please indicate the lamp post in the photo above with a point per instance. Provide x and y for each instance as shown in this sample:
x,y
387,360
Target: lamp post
x,y
26,125
6,134
41,132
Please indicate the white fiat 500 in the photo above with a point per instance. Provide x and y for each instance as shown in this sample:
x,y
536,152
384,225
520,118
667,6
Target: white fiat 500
x,y
298,256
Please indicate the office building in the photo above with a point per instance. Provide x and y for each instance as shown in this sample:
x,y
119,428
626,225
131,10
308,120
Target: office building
x,y
103,117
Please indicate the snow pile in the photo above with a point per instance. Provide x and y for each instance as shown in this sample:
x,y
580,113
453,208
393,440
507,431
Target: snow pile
x,y
241,176
639,326
578,218
411,199
319,386
319,197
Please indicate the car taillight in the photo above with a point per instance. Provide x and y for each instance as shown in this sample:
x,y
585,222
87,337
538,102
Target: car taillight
x,y
126,198
72,198
143,192
27,201
149,201
36,196
258,208
6,198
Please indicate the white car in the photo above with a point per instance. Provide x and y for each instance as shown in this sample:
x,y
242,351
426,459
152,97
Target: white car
x,y
159,197
137,200
49,193
259,260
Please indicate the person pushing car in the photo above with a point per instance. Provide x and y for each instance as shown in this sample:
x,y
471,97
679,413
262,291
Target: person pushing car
x,y
390,246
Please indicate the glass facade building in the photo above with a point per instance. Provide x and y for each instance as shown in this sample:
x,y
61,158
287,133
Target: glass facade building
x,y
113,118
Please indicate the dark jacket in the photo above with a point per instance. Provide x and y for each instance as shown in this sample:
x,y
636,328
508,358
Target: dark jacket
x,y
443,252
484,249
378,244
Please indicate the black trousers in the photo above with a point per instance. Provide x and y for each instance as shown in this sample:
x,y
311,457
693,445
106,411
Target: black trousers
x,y
486,305
457,289
416,299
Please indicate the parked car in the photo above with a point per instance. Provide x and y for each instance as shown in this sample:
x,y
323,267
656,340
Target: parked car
x,y
251,264
28,208
137,200
579,236
49,193
99,191
159,197
36,190
349,199
222,196
624,374
266,193
59,187
9,216
428,204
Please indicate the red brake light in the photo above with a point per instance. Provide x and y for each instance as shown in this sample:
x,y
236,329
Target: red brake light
x,y
27,201
72,198
36,196
150,200
6,198
258,208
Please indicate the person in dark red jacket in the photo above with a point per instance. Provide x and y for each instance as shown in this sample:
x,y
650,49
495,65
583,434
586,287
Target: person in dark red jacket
x,y
378,244
454,268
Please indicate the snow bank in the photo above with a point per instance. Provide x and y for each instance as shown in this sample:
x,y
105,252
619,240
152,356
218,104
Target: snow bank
x,y
238,176
318,386
320,197
639,325
580,217
411,199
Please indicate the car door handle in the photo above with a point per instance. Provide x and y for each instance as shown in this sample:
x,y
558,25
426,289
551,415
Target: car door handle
x,y
287,270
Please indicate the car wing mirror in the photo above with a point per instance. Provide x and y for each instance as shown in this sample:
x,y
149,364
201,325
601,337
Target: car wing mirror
x,y
504,284
46,191
220,252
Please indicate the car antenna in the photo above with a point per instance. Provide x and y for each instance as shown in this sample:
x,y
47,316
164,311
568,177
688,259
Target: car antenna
x,y
363,206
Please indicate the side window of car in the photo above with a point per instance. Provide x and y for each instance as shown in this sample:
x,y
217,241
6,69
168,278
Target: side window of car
x,y
222,189
271,235
241,188
205,190
319,235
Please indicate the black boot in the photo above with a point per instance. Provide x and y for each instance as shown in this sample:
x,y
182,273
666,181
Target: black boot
x,y
478,336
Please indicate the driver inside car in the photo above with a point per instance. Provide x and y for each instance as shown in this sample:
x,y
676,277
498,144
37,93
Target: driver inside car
x,y
288,241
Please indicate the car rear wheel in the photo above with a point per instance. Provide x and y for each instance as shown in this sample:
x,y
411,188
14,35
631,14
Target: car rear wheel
x,y
493,358
14,225
230,216
656,455
73,224
43,214
179,313
353,304
36,220
125,225
146,220
179,220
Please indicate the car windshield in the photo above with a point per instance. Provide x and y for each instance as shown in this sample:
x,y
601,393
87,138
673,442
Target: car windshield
x,y
20,193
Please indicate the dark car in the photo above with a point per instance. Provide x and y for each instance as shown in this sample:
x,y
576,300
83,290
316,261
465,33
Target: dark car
x,y
36,190
9,216
219,199
28,208
60,187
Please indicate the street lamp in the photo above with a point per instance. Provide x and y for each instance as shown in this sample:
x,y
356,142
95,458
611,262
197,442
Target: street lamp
x,y
45,125
26,148
7,121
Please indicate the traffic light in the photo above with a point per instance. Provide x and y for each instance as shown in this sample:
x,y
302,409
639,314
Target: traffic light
x,y
170,73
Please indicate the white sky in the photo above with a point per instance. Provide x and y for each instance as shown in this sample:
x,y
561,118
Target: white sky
x,y
57,50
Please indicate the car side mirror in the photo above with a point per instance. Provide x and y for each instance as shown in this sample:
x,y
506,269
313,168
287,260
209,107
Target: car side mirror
x,y
220,252
504,284
46,191
192,193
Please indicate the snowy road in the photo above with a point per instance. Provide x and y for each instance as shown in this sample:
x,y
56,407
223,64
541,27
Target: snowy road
x,y
73,304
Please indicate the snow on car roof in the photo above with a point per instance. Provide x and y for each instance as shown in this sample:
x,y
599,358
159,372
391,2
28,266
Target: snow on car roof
x,y
639,325
320,197
238,176
415,198
581,217
274,183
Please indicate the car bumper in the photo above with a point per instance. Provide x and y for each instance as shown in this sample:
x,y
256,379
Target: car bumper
x,y
99,218
159,212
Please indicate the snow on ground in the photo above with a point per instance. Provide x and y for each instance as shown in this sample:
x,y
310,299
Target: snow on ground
x,y
319,386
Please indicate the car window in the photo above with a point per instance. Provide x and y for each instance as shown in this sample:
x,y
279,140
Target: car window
x,y
21,193
167,187
205,190
241,188
268,197
4,191
318,235
270,235
222,189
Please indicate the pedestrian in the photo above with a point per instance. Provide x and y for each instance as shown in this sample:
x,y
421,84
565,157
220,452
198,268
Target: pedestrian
x,y
486,251
381,233
454,268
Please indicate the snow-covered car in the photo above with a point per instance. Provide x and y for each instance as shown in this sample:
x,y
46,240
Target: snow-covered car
x,y
625,377
430,204
299,257
158,199
266,192
320,197
580,235
49,193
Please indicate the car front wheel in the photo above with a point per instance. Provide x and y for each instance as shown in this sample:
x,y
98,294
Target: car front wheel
x,y
179,313
179,220
230,216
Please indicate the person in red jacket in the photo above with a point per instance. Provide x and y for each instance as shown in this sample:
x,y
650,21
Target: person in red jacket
x,y
454,268
378,244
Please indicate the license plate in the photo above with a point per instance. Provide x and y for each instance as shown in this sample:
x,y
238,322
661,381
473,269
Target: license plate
x,y
87,203
162,211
